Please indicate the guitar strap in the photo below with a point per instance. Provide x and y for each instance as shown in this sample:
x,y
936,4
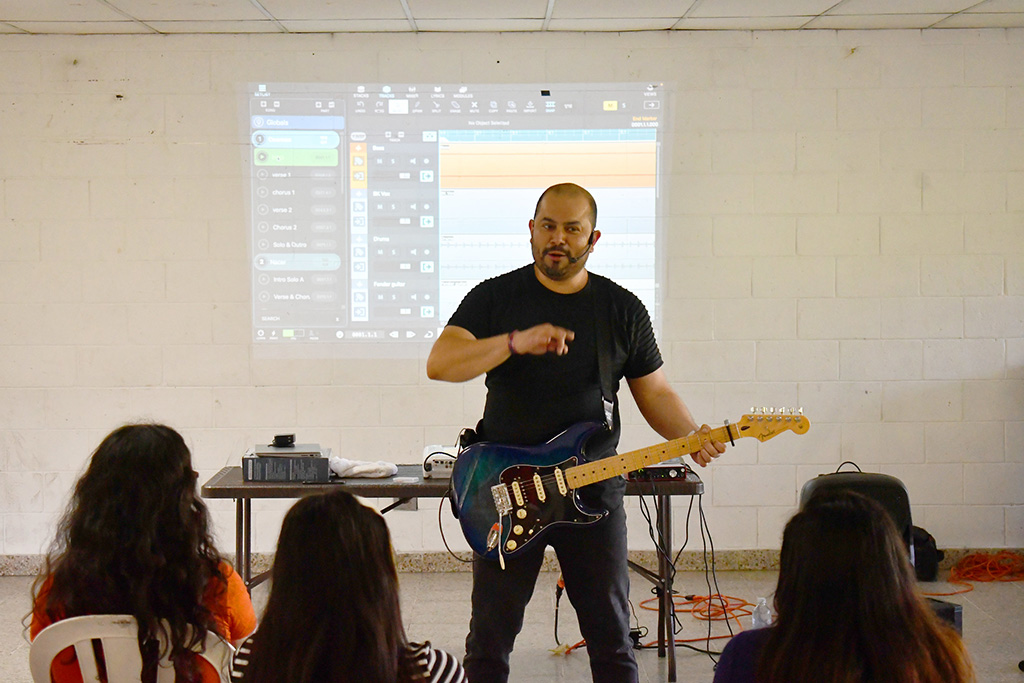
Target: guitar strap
x,y
604,351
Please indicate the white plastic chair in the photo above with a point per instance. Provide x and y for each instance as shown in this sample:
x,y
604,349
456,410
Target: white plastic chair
x,y
119,636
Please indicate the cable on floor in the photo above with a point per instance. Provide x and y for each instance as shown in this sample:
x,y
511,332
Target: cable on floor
x,y
705,608
1005,565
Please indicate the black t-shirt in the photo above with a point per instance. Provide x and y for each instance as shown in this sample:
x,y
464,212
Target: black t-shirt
x,y
531,399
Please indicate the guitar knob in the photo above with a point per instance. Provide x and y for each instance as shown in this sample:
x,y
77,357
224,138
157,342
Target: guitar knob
x,y
521,513
517,530
510,545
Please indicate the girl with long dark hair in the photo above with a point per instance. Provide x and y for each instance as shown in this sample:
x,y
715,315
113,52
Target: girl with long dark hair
x,y
333,614
848,607
135,539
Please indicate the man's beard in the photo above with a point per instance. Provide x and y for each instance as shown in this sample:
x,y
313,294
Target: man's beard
x,y
560,270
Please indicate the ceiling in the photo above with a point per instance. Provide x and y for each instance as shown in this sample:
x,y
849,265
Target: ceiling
x,y
337,16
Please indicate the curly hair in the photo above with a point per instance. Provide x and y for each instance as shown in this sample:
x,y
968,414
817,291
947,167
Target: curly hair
x,y
848,606
135,539
333,611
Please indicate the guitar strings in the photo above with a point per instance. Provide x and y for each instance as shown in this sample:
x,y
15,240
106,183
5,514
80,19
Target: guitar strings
x,y
529,483
632,461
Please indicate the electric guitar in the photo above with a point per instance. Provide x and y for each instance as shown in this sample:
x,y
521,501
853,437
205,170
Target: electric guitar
x,y
508,496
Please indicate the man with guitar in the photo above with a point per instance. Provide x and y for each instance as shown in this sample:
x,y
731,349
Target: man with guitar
x,y
554,341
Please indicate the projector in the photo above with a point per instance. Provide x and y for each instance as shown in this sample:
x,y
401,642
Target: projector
x,y
439,461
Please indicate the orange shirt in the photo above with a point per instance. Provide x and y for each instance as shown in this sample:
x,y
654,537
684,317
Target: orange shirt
x,y
231,608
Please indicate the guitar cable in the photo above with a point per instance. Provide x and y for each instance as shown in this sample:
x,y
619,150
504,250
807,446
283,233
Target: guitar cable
x,y
660,546
654,531
448,496
686,538
714,606
501,556
661,549
440,528
559,587
704,528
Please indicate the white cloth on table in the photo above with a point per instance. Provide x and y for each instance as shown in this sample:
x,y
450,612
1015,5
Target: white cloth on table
x,y
362,468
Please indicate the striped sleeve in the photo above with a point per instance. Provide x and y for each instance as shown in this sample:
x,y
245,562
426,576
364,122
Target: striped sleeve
x,y
436,666
241,661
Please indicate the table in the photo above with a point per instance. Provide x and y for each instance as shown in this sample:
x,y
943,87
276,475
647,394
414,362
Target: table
x,y
409,484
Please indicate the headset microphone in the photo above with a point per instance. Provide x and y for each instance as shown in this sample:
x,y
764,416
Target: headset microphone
x,y
590,243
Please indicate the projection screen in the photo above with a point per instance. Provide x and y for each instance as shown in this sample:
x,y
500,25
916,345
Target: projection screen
x,y
375,207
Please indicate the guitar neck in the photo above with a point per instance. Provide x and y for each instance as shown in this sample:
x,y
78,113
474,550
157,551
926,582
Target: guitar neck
x,y
606,468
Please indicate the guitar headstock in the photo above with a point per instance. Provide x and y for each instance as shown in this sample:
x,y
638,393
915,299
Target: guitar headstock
x,y
765,423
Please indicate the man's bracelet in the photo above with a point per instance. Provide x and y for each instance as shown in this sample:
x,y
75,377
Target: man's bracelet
x,y
511,348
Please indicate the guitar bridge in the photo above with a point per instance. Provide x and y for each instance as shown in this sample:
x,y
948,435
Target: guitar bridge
x,y
502,501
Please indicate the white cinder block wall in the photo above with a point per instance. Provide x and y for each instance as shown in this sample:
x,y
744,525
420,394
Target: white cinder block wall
x,y
846,235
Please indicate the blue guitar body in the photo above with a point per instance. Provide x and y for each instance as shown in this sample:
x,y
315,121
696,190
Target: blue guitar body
x,y
507,496
532,482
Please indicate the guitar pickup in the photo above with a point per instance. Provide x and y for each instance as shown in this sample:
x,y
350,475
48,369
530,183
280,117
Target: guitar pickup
x,y
517,491
538,486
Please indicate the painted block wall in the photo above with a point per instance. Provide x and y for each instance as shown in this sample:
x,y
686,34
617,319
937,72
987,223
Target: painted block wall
x,y
846,235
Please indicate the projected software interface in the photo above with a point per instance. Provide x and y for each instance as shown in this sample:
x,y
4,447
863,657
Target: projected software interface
x,y
375,208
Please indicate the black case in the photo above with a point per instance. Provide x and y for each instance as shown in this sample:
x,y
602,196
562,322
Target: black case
x,y
884,489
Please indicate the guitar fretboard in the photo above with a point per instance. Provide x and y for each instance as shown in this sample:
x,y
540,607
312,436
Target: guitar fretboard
x,y
606,468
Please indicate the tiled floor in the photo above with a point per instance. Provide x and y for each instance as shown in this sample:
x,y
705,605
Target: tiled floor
x,y
436,607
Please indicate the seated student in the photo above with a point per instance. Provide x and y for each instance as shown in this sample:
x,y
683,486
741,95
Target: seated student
x,y
848,607
333,615
135,539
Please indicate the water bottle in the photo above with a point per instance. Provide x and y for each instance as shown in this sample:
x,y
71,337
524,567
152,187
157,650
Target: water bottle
x,y
762,615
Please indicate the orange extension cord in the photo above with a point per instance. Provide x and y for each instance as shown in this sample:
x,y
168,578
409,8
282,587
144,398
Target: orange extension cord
x,y
702,607
705,608
984,567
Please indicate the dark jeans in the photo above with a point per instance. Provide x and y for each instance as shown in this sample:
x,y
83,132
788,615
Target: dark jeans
x,y
593,563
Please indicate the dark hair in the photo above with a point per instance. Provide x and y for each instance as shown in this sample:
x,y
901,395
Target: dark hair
x,y
570,188
136,540
333,611
848,606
